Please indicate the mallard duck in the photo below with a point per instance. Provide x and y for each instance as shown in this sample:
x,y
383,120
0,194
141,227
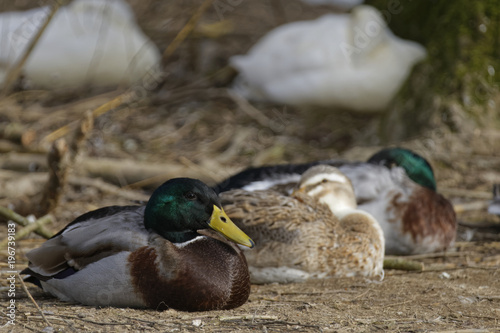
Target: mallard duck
x,y
169,253
350,61
494,206
395,185
315,232
93,43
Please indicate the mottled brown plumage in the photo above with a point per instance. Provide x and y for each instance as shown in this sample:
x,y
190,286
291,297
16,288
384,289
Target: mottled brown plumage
x,y
428,218
298,237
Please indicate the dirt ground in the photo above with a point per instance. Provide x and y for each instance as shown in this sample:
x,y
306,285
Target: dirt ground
x,y
192,127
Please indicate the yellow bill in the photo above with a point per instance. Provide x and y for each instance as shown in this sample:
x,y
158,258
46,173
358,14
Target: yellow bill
x,y
220,222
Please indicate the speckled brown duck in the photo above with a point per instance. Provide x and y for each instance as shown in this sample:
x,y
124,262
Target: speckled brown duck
x,y
316,232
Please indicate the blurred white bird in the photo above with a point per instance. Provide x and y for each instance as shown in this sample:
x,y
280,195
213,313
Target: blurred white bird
x,y
351,61
88,42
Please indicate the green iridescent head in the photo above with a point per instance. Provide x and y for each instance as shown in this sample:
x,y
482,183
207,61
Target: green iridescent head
x,y
416,167
181,206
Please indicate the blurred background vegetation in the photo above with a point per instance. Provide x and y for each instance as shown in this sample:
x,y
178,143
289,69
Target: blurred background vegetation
x,y
446,110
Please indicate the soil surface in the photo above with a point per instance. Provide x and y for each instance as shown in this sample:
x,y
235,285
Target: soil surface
x,y
191,126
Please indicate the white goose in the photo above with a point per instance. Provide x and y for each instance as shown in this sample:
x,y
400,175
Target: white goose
x,y
350,61
88,43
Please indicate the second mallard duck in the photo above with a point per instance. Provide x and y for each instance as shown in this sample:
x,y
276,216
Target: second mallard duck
x,y
395,185
314,233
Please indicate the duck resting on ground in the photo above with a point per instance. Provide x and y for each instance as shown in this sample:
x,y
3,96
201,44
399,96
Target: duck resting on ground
x,y
348,61
395,185
316,232
171,253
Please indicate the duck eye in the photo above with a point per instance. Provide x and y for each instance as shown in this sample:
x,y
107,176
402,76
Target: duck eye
x,y
190,196
324,180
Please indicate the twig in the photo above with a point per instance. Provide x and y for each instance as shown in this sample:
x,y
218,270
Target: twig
x,y
478,226
113,170
490,298
13,216
395,304
284,323
108,188
361,295
457,192
129,171
14,73
32,299
58,167
251,111
186,30
468,330
81,134
30,328
126,97
93,322
30,228
435,255
470,206
337,291
403,264
150,322
247,317
185,129
190,164
17,133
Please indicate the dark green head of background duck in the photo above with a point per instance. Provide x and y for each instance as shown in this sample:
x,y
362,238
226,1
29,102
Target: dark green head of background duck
x,y
416,167
181,206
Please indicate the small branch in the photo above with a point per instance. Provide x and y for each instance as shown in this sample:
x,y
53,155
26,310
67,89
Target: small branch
x,y
186,30
247,317
436,255
490,297
108,188
113,170
202,171
17,133
470,206
21,220
81,135
461,193
92,321
23,232
126,97
250,110
395,304
403,264
58,169
32,299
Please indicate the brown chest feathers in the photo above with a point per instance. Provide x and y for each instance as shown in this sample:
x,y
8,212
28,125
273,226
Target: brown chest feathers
x,y
208,275
427,214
